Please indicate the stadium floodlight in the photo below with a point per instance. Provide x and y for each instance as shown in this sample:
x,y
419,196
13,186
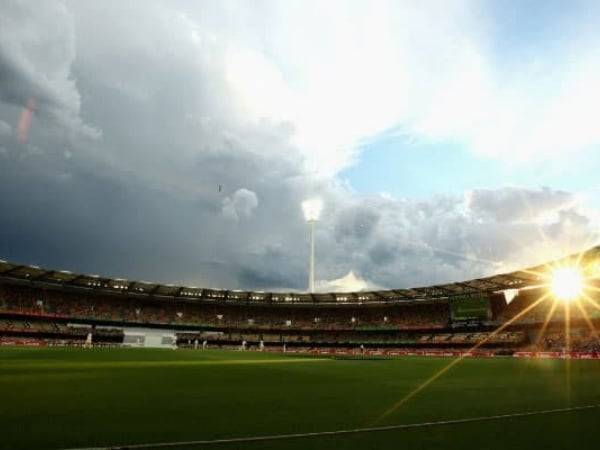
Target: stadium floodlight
x,y
567,283
312,211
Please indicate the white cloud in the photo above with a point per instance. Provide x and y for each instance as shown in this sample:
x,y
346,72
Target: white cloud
x,y
403,243
348,283
435,76
515,120
343,82
241,204
513,204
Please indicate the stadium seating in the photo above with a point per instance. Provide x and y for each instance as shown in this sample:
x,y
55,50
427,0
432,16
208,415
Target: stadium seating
x,y
35,311
32,302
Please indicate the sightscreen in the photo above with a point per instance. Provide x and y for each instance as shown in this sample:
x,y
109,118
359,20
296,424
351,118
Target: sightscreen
x,y
466,308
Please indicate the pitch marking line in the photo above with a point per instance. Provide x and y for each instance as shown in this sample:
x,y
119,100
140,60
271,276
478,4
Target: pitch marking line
x,y
275,437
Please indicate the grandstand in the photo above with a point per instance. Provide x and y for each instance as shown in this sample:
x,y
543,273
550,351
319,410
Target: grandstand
x,y
59,307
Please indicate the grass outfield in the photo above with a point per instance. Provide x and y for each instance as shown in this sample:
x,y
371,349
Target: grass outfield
x,y
69,398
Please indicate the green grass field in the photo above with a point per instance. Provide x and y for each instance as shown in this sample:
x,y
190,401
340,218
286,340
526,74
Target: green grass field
x,y
69,398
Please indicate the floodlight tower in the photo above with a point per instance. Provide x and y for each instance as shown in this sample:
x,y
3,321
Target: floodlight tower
x,y
312,211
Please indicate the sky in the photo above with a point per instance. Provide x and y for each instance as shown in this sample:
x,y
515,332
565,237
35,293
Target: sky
x,y
175,141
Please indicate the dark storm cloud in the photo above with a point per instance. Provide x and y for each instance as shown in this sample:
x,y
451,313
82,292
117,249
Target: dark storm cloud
x,y
276,272
141,163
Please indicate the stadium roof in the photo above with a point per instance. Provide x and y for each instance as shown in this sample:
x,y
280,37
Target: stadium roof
x,y
525,278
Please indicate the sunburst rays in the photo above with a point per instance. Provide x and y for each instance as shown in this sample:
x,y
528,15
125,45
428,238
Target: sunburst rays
x,y
580,272
454,362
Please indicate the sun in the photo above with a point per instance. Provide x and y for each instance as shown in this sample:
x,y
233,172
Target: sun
x,y
566,283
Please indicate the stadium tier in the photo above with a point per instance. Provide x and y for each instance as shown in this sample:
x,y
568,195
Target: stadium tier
x,y
61,307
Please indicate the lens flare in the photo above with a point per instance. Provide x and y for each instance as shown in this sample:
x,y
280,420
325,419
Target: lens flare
x,y
25,121
566,283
